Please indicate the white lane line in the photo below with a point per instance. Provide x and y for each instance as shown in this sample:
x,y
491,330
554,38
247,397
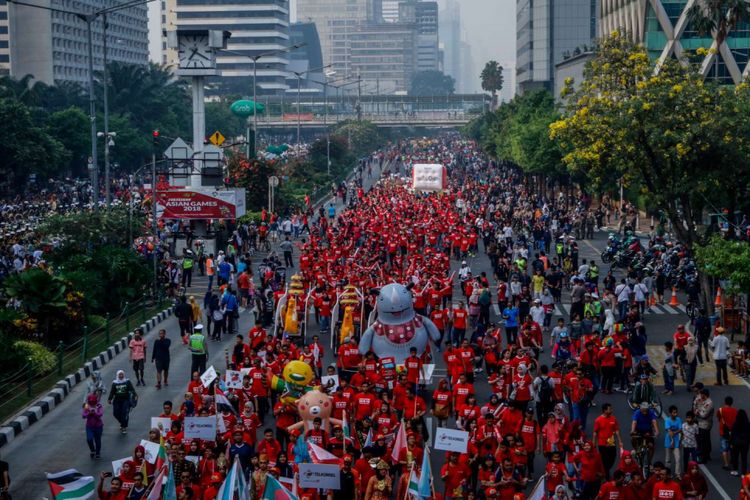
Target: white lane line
x,y
566,308
670,309
710,476
682,308
714,482
497,309
656,309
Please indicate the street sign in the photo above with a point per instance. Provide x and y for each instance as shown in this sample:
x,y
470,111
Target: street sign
x,y
273,181
217,139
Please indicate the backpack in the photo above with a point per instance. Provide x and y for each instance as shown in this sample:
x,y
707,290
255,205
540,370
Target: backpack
x,y
545,390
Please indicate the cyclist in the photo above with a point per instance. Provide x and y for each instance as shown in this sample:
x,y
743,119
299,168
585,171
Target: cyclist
x,y
643,392
644,429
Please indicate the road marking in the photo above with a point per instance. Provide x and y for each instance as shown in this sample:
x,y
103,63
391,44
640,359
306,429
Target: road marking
x,y
566,308
656,310
497,309
682,308
670,309
714,482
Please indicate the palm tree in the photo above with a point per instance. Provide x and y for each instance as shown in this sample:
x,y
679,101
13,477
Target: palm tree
x,y
492,79
718,18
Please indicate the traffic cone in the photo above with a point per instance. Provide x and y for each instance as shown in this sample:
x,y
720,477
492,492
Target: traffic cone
x,y
673,301
652,300
717,300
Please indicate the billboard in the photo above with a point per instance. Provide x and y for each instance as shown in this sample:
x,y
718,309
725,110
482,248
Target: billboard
x,y
428,177
200,203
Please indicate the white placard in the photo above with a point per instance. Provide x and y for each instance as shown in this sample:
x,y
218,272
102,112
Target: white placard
x,y
233,379
426,377
208,376
325,379
164,424
200,428
451,440
192,458
151,451
427,177
220,424
117,465
319,476
244,371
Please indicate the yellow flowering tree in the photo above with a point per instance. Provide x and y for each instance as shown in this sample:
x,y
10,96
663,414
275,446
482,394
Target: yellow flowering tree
x,y
683,140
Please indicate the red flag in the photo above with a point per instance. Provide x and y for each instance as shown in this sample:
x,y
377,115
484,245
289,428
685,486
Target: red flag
x,y
400,442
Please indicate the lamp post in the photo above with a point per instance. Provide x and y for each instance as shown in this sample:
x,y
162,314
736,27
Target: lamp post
x,y
299,74
88,19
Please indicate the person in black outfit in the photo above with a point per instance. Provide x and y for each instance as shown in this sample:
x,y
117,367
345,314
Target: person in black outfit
x,y
184,314
122,396
348,484
160,358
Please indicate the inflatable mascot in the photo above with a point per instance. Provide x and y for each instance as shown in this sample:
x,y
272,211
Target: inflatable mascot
x,y
397,328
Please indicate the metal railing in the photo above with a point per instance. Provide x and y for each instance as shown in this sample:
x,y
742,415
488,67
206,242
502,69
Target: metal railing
x,y
26,385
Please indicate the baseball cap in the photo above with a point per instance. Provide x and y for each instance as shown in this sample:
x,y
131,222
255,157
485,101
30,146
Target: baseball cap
x,y
644,406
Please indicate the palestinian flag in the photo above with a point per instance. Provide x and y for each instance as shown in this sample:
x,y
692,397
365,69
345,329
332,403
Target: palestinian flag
x,y
346,428
413,488
274,490
70,485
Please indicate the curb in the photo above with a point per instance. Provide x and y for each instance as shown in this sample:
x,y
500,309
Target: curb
x,y
36,411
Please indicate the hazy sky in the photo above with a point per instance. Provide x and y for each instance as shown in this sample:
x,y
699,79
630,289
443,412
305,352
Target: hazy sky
x,y
490,27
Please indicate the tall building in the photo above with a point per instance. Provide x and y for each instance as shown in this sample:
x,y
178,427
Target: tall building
x,y
547,31
53,46
664,27
333,18
424,15
451,39
390,10
256,26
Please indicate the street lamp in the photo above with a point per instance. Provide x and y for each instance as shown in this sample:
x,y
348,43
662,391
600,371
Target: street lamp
x,y
255,59
299,104
88,19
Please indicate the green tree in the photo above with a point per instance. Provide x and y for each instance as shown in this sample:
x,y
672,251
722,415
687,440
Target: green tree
x,y
71,128
25,148
492,79
432,83
362,136
726,260
718,18
219,117
253,176
40,295
685,141
341,158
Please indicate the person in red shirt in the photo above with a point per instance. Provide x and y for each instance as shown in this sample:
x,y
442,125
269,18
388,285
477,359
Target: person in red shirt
x,y
461,390
665,487
588,462
384,420
455,477
509,481
285,415
256,337
607,437
556,473
459,315
452,362
615,489
726,415
348,359
466,356
607,357
411,455
259,387
363,402
250,424
414,406
269,446
531,434
316,435
414,367
510,419
441,402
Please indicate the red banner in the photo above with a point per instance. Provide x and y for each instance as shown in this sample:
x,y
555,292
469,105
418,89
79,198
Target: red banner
x,y
303,117
186,204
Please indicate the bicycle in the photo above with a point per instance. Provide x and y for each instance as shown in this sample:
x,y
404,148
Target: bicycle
x,y
655,404
642,451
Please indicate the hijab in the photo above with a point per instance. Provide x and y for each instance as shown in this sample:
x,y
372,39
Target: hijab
x,y
118,380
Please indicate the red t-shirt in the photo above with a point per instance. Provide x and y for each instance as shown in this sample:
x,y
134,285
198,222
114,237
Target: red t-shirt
x,y
604,428
668,490
610,491
459,318
413,368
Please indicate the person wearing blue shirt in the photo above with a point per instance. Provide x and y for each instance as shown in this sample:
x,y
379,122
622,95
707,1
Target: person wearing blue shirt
x,y
231,312
510,315
672,435
225,270
645,428
331,211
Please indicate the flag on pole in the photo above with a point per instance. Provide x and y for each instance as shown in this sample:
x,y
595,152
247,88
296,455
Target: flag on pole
x,y
413,488
320,455
400,442
234,482
222,403
70,485
158,485
275,491
368,440
538,493
346,428
170,489
425,477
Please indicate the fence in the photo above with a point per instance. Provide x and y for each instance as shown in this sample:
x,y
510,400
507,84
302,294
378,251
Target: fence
x,y
25,386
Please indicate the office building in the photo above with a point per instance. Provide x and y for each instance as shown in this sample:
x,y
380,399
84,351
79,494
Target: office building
x,y
390,10
256,27
382,55
334,18
452,40
424,16
663,27
306,58
547,31
53,46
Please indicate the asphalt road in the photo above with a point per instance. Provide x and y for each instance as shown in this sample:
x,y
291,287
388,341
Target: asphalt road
x,y
58,441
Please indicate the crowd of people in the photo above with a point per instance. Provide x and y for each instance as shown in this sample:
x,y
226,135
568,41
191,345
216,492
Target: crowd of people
x,y
519,385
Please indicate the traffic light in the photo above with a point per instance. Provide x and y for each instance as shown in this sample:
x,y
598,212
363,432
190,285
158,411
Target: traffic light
x,y
156,137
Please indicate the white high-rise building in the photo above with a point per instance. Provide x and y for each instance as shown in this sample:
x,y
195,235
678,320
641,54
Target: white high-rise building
x,y
390,10
256,26
53,46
